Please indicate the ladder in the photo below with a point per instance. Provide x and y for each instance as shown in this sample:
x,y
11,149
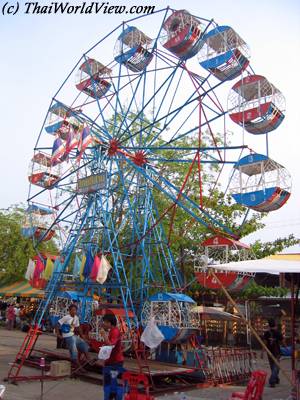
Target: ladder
x,y
24,352
141,358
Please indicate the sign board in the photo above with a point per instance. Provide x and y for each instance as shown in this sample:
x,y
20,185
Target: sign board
x,y
91,183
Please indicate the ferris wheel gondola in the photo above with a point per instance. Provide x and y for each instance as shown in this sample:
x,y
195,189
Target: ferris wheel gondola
x,y
182,34
37,222
260,183
41,171
172,314
93,78
256,104
224,53
222,250
133,49
60,120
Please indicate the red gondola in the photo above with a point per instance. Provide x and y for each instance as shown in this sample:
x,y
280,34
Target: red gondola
x,y
256,104
92,78
182,34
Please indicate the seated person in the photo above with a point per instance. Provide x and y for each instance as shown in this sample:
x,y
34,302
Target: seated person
x,y
74,343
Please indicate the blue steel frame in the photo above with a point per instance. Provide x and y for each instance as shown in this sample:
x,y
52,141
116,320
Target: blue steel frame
x,y
143,261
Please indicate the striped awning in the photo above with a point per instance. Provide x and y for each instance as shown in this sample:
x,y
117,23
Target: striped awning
x,y
20,289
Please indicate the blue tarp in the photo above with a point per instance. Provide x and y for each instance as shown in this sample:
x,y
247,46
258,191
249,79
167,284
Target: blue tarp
x,y
171,297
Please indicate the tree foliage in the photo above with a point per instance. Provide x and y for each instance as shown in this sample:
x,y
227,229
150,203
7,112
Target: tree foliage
x,y
262,250
15,249
253,291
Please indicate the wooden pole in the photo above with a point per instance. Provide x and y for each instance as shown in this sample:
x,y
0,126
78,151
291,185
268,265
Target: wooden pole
x,y
253,331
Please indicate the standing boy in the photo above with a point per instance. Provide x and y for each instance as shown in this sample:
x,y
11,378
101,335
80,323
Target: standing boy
x,y
114,364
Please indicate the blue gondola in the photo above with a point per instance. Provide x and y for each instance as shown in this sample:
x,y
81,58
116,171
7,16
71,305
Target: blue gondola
x,y
224,53
132,49
172,315
263,184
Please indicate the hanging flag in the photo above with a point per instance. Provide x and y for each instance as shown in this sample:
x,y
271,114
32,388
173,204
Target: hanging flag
x,y
57,265
95,268
39,268
88,265
81,276
72,141
48,269
37,274
76,267
30,270
85,140
58,150
103,270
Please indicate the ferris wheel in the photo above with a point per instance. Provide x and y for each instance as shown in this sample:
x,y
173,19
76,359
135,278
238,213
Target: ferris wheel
x,y
105,160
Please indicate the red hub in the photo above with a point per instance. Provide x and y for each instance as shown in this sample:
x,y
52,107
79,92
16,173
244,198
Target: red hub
x,y
139,158
113,147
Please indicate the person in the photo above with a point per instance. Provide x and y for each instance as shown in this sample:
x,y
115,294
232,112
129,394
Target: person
x,y
17,316
11,317
116,358
65,329
230,338
273,338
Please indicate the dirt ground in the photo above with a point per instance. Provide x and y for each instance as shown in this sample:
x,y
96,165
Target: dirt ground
x,y
75,389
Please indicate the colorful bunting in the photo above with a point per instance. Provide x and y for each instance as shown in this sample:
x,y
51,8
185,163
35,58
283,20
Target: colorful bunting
x,y
88,265
95,268
103,270
48,269
58,151
85,140
30,270
72,141
76,267
81,276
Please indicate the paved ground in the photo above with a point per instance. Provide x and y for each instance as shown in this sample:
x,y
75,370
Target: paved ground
x,y
78,390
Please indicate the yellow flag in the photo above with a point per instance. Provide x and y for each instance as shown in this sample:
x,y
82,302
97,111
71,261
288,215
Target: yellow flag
x,y
82,268
49,269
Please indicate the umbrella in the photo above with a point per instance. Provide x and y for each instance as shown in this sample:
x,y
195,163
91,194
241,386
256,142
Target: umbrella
x,y
212,313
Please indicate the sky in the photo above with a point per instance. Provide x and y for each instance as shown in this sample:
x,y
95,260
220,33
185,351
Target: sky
x,y
38,52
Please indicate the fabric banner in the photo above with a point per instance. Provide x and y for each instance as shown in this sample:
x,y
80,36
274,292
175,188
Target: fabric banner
x,y
103,271
76,267
81,276
30,270
88,265
49,269
95,268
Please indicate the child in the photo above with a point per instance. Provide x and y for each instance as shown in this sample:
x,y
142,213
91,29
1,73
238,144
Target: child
x,y
74,343
115,362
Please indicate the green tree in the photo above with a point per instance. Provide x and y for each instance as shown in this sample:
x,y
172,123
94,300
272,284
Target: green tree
x,y
183,232
15,249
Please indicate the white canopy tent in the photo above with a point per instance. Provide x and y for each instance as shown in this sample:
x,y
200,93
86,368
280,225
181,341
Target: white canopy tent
x,y
276,264
279,263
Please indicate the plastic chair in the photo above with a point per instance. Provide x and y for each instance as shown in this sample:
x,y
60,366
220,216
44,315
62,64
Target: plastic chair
x,y
135,383
255,387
